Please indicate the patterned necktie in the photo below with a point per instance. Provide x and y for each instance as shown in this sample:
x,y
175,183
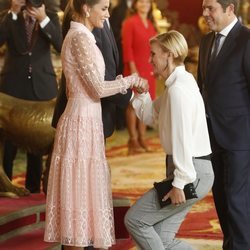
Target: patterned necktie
x,y
29,27
216,46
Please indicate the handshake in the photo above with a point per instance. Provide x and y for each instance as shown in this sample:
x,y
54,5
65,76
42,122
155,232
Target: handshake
x,y
138,83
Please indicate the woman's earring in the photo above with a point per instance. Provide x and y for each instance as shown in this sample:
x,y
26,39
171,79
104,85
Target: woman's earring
x,y
87,14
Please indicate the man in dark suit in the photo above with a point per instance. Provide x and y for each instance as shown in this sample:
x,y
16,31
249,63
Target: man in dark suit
x,y
28,71
224,78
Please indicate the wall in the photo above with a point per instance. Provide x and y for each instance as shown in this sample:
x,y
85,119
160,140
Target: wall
x,y
189,10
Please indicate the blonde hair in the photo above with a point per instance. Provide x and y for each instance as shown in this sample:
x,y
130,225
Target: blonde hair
x,y
174,42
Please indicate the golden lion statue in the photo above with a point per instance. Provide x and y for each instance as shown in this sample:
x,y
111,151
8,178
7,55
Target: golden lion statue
x,y
28,125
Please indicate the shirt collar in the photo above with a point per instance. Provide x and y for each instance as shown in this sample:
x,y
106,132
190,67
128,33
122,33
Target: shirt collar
x,y
226,30
171,79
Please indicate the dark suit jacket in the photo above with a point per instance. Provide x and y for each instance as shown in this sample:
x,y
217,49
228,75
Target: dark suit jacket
x,y
15,79
117,17
225,86
106,43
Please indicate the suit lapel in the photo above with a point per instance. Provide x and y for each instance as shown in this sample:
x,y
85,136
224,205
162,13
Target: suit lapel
x,y
110,34
228,45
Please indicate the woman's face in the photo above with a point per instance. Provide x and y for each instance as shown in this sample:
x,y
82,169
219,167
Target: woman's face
x,y
99,13
143,6
158,59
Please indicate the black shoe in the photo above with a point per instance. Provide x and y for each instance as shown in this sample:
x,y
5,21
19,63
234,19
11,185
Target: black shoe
x,y
85,248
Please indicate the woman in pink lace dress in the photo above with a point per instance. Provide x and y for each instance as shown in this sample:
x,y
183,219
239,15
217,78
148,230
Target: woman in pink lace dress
x,y
79,209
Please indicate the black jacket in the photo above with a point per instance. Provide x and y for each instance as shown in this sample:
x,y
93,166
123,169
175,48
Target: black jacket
x,y
16,79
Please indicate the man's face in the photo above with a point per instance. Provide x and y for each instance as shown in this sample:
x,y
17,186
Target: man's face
x,y
216,18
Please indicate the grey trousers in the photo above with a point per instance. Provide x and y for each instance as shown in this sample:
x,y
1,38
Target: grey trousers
x,y
154,228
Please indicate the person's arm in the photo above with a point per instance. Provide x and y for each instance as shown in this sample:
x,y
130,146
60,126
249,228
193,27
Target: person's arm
x,y
82,49
54,32
143,107
50,25
106,46
199,73
61,102
181,136
8,16
5,18
246,64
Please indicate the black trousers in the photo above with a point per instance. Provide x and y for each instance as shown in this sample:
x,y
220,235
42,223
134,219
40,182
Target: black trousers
x,y
34,167
231,194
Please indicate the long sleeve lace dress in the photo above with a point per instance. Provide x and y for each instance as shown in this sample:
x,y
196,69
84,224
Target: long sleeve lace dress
x,y
79,209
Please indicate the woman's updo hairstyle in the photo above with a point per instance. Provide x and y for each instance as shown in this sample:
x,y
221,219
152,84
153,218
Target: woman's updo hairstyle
x,y
174,42
75,6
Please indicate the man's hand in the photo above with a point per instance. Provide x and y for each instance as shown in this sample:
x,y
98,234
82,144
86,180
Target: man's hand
x,y
38,13
16,5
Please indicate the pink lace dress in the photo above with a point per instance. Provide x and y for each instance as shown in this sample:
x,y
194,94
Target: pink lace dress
x,y
79,209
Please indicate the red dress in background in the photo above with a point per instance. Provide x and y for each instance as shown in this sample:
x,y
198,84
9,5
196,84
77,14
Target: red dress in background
x,y
135,44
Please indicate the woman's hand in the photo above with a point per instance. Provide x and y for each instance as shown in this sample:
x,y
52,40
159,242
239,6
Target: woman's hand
x,y
176,196
141,85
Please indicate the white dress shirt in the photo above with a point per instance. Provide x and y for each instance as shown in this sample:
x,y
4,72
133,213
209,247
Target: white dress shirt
x,y
179,114
224,34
